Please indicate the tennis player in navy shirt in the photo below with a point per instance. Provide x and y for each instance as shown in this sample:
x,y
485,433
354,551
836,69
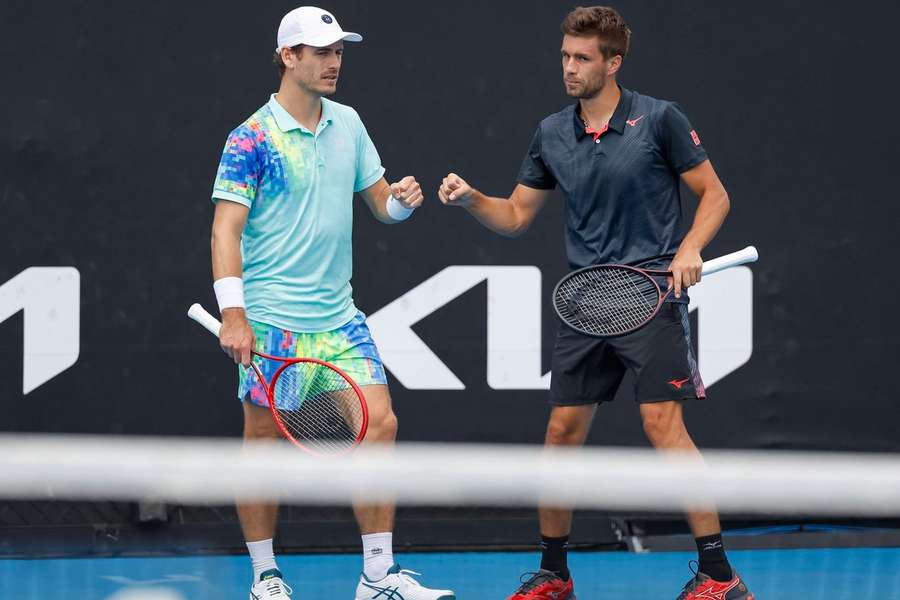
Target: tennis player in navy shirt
x,y
619,158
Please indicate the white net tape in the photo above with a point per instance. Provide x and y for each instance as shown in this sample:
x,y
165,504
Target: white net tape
x,y
191,470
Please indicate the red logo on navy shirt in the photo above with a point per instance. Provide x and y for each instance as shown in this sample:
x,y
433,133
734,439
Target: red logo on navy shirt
x,y
677,383
695,137
634,122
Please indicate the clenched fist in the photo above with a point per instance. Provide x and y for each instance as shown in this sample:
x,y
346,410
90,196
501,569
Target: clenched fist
x,y
408,192
454,191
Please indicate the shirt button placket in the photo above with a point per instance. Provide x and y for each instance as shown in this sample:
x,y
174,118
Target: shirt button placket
x,y
320,162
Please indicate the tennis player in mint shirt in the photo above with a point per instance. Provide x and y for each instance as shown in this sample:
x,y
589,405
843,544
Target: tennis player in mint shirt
x,y
282,263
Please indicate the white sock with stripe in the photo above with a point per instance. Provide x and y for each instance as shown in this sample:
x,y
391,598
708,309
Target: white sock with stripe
x,y
378,555
262,556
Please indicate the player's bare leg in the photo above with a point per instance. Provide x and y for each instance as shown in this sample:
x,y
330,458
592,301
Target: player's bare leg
x,y
376,518
382,576
258,519
568,426
665,428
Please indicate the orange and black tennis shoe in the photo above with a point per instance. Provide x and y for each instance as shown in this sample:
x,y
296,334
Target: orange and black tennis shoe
x,y
704,587
544,585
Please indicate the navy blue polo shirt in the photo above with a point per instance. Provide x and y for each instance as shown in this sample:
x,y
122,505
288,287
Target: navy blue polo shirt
x,y
622,189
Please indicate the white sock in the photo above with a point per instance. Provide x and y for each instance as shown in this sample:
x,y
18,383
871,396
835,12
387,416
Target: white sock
x,y
378,555
263,557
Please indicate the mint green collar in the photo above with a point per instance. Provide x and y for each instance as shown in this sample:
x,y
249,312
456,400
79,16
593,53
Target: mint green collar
x,y
287,123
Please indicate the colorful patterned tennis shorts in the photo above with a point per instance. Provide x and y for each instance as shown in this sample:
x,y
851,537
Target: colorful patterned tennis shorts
x,y
350,348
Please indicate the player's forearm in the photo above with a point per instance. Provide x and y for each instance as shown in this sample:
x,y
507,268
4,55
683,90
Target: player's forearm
x,y
377,202
226,253
227,262
711,212
497,214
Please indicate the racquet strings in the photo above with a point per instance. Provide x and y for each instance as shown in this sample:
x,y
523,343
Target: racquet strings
x,y
607,301
318,407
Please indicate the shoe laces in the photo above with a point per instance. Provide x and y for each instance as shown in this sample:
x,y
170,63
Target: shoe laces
x,y
277,587
408,576
694,582
532,579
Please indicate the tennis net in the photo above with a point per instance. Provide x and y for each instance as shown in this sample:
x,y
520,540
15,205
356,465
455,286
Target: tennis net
x,y
205,470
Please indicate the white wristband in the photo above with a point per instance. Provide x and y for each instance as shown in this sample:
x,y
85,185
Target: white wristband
x,y
229,292
397,211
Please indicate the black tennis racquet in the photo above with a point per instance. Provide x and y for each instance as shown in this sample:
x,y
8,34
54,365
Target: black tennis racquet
x,y
612,300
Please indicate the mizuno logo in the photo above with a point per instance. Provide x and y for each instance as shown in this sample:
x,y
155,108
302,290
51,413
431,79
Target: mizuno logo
x,y
633,122
711,594
387,593
677,383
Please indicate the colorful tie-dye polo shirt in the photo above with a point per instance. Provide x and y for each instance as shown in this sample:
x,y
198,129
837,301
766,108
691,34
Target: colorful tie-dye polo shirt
x,y
299,187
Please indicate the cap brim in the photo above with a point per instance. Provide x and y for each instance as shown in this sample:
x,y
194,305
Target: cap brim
x,y
330,38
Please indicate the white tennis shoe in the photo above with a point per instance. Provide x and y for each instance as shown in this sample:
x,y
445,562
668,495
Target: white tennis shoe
x,y
398,584
270,587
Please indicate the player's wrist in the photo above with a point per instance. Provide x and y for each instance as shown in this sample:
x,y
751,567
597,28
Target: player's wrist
x,y
472,199
234,318
229,293
397,210
689,245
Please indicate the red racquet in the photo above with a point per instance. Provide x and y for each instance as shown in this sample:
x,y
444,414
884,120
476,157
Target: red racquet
x,y
611,300
315,405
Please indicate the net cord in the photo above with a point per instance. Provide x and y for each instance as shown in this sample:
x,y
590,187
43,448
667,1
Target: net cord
x,y
203,471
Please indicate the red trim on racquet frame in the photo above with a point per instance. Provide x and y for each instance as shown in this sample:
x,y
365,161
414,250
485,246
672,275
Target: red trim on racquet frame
x,y
270,397
648,273
214,326
747,255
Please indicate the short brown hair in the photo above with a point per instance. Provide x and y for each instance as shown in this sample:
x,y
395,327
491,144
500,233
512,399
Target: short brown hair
x,y
601,21
279,64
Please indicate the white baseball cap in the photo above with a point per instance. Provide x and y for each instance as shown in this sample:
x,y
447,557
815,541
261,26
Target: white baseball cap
x,y
311,26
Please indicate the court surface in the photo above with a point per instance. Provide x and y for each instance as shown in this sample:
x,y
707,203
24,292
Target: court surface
x,y
835,574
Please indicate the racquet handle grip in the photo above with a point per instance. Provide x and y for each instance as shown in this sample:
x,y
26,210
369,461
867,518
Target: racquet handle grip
x,y
199,314
741,257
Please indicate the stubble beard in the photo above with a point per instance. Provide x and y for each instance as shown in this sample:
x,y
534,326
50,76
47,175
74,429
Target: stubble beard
x,y
318,90
593,91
